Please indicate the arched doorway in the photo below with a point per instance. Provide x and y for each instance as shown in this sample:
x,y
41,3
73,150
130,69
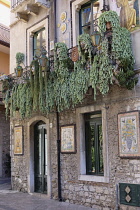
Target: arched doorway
x,y
40,157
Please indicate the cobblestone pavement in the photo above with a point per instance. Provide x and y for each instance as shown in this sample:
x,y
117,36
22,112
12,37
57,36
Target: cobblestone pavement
x,y
13,200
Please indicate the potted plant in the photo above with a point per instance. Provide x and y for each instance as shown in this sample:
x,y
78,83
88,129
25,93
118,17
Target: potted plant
x,y
19,60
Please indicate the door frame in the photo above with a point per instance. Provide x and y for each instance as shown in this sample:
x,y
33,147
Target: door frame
x,y
30,147
40,129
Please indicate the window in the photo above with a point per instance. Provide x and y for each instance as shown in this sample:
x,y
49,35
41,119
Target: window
x,y
81,16
135,4
94,144
88,12
37,36
39,41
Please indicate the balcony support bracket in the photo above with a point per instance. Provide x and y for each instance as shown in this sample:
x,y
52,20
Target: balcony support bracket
x,y
23,17
31,9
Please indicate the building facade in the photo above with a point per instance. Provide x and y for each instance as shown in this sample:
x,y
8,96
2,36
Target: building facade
x,y
87,153
4,70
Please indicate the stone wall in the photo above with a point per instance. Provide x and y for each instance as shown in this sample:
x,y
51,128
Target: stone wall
x,y
5,168
102,195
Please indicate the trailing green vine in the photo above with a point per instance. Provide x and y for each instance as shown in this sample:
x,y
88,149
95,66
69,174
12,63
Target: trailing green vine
x,y
67,84
85,48
61,81
121,50
78,83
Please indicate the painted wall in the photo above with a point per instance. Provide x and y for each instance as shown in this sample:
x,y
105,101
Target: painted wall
x,y
4,63
4,15
20,38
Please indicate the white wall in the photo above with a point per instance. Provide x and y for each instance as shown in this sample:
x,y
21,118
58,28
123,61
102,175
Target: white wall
x,y
4,15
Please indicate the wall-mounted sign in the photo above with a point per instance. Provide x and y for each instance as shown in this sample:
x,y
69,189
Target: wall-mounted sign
x,y
68,139
18,140
129,144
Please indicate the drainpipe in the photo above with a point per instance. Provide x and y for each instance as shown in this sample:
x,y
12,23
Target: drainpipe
x,y
55,28
58,158
57,119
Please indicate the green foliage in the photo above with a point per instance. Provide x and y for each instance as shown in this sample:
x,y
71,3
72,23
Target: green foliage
x,y
85,47
19,58
78,83
7,102
102,69
109,16
29,101
126,76
36,86
64,88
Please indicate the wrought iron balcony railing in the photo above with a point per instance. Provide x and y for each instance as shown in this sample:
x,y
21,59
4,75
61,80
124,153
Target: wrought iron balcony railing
x,y
15,3
44,3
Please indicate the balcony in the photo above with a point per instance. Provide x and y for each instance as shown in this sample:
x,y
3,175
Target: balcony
x,y
21,5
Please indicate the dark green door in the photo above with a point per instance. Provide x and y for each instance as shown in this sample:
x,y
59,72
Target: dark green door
x,y
40,157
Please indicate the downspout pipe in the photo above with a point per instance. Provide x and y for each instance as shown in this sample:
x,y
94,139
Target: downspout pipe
x,y
55,28
57,119
58,159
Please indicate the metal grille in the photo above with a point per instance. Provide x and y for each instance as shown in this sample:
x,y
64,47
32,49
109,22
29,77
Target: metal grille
x,y
129,194
15,3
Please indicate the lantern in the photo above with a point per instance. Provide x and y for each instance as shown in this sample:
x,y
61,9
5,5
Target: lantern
x,y
96,38
43,60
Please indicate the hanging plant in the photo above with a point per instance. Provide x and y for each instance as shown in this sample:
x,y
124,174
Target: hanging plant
x,y
35,85
7,102
64,87
29,101
42,98
78,84
117,61
85,48
61,82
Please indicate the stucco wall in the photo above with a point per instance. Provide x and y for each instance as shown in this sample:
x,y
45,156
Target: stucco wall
x,y
19,36
4,63
136,46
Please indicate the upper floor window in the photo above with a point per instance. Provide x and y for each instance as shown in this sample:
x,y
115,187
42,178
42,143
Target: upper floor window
x,y
39,41
89,12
